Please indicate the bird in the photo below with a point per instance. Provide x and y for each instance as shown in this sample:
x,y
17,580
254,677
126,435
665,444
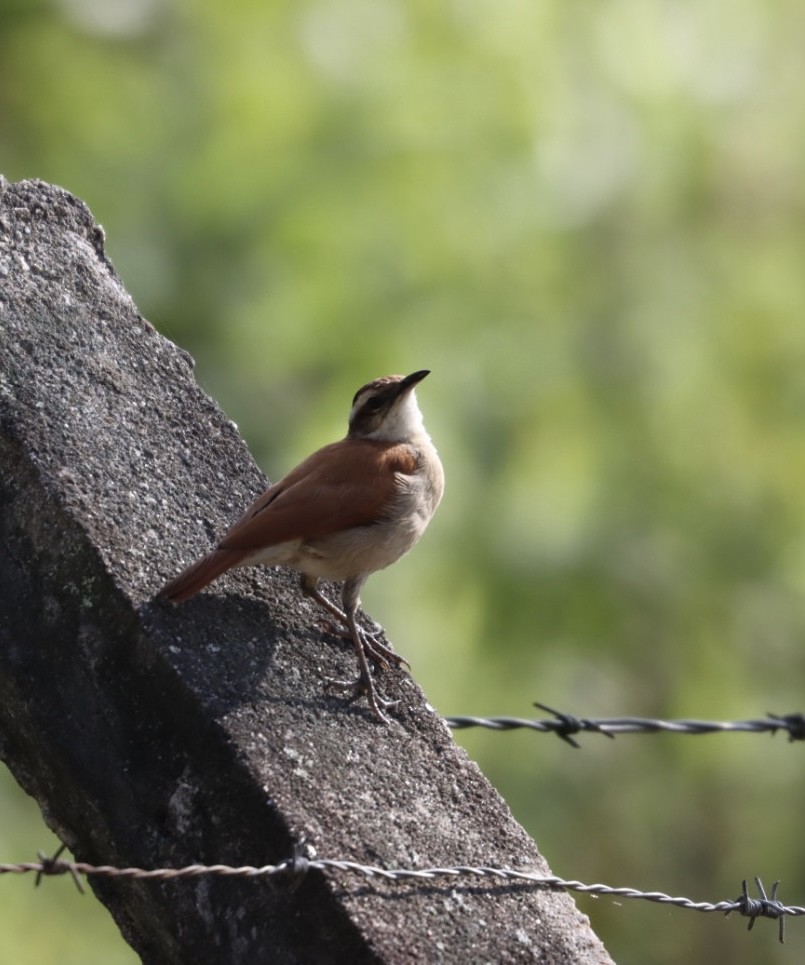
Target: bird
x,y
351,508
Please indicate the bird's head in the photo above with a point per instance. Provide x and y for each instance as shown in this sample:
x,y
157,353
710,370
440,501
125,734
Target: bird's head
x,y
387,409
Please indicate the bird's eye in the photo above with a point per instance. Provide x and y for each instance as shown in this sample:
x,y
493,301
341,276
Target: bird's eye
x,y
375,404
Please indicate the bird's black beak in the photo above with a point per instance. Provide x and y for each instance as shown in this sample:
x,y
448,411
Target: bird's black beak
x,y
411,380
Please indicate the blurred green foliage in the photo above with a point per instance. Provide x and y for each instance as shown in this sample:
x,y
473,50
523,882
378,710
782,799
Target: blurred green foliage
x,y
588,219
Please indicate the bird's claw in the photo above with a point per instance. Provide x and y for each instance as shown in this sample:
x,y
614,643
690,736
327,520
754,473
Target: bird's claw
x,y
361,686
383,656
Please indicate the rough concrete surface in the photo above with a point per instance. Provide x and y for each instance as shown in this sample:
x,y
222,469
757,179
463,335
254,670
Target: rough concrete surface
x,y
158,736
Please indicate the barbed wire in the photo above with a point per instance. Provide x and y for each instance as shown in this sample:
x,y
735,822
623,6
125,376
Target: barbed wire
x,y
566,725
765,906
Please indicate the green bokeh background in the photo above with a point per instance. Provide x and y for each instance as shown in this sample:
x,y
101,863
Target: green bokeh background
x,y
587,217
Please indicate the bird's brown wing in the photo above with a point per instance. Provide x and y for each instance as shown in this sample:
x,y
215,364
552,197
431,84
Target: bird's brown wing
x,y
346,484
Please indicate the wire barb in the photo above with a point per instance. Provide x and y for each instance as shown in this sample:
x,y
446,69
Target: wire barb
x,y
55,866
767,906
298,864
793,723
566,725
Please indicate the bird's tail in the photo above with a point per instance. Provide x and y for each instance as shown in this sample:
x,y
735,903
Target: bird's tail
x,y
199,574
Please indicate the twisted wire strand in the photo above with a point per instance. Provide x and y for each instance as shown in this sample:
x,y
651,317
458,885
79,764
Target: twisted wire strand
x,y
566,725
751,908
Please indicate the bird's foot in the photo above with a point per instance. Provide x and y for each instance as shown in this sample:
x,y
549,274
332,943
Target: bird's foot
x,y
338,624
364,685
383,656
367,648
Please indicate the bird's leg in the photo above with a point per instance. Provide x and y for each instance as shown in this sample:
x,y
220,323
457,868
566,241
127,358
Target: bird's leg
x,y
364,684
382,655
378,652
309,588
